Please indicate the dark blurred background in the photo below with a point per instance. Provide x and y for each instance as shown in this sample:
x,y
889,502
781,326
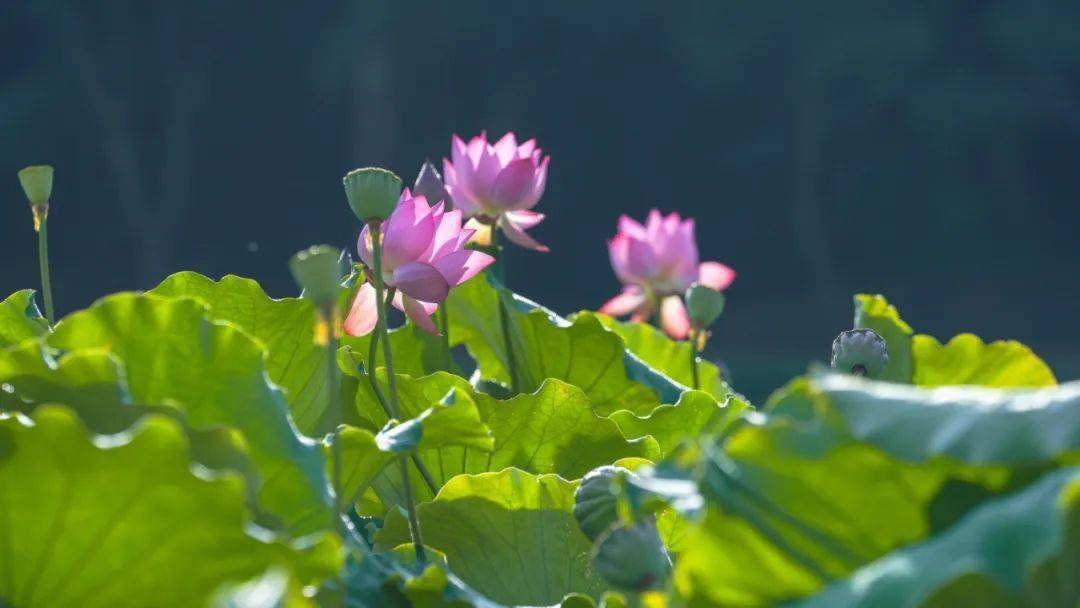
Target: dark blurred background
x,y
924,150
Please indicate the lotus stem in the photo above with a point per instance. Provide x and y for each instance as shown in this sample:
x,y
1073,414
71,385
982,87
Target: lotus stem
x,y
373,352
41,223
694,359
504,313
391,380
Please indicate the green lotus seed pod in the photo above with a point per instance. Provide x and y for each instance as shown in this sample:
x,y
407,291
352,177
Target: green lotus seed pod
x,y
37,182
704,305
595,500
373,192
632,557
318,271
861,352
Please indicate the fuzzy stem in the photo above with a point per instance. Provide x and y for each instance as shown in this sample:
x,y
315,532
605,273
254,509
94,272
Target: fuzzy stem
x,y
694,358
43,262
504,313
391,380
332,404
373,352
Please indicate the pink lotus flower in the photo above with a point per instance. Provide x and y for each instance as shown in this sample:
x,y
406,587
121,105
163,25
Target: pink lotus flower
x,y
423,257
502,182
657,262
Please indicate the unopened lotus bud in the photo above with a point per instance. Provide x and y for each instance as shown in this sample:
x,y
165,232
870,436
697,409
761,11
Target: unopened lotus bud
x,y
861,352
373,192
318,270
429,184
633,557
37,183
595,501
704,305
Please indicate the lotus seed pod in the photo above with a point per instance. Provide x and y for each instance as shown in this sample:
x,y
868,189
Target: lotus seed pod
x,y
594,500
37,182
632,557
318,271
861,352
704,304
373,192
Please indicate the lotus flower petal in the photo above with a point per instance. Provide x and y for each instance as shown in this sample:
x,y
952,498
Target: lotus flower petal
x,y
363,314
516,234
460,266
422,281
715,275
525,219
514,184
630,300
674,318
407,233
420,313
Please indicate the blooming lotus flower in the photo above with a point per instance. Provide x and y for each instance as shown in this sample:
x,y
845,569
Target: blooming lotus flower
x,y
503,182
423,257
656,263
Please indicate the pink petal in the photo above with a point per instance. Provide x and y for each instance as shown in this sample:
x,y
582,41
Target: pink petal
x,y
514,184
421,281
460,266
476,148
420,313
525,219
618,252
641,260
625,303
506,148
527,149
653,224
363,314
630,227
407,234
363,246
486,172
539,183
446,235
674,318
458,185
715,275
518,236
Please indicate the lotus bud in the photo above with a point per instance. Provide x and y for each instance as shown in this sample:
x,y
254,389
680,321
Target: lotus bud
x,y
633,557
595,500
373,192
318,270
704,305
37,182
429,184
861,352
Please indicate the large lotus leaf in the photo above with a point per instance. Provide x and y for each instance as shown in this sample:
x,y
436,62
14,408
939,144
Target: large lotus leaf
x,y
286,327
966,359
583,353
670,357
20,318
696,413
551,430
125,520
213,373
972,425
1018,550
510,535
874,312
845,470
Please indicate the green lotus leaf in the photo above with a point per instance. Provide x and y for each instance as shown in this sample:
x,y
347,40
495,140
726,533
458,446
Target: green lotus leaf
x,y
874,312
583,352
20,318
126,519
213,373
510,535
966,359
552,430
694,414
1018,550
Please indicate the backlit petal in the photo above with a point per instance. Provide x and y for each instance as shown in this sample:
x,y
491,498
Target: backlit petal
x,y
421,281
363,314
715,275
674,318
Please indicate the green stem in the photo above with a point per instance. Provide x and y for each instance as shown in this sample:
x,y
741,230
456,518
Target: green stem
x,y
332,404
43,261
694,359
504,313
391,380
373,352
444,329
